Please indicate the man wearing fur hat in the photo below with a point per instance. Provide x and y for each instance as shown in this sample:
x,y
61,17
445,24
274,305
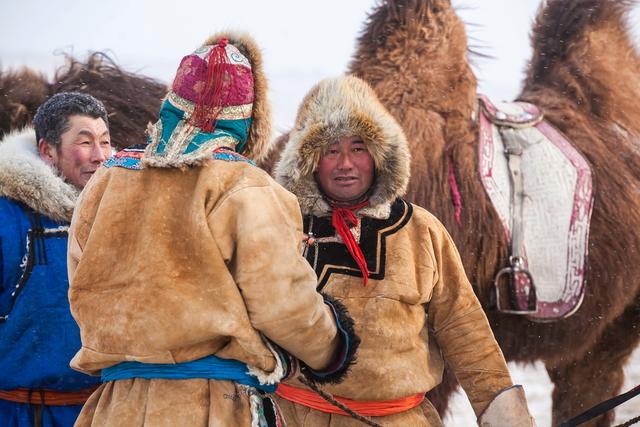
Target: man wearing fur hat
x,y
42,171
183,258
389,262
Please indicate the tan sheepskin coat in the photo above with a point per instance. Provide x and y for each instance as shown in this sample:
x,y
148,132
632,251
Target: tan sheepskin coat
x,y
418,308
173,263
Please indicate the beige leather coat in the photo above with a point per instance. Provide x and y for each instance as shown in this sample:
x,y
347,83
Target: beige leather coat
x,y
418,309
176,257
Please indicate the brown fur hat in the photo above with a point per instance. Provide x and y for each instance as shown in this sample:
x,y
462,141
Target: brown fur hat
x,y
339,107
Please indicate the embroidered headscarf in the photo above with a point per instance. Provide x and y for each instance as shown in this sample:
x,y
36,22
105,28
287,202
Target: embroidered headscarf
x,y
211,104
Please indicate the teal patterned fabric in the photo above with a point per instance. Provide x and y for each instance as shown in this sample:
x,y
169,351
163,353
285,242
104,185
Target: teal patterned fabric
x,y
172,118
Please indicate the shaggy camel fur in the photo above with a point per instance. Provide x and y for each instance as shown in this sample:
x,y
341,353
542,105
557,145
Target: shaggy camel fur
x,y
132,100
584,75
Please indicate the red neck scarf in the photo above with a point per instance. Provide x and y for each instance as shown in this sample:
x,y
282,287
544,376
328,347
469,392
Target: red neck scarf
x,y
340,217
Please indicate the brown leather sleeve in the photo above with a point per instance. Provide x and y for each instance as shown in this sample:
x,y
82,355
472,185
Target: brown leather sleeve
x,y
259,231
461,327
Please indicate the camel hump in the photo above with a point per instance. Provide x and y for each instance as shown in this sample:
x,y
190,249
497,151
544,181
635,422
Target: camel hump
x,y
423,44
563,25
22,92
584,52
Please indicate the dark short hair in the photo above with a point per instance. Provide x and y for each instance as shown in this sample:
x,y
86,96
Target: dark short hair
x,y
52,117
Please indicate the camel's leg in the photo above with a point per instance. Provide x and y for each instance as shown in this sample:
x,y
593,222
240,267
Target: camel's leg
x,y
598,376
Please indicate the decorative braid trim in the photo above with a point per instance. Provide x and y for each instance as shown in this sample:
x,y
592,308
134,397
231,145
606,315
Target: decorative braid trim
x,y
170,159
233,112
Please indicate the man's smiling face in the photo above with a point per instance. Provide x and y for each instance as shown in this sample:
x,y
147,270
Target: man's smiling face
x,y
346,170
82,149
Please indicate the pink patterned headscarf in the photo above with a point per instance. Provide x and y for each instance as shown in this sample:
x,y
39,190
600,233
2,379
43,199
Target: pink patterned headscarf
x,y
214,78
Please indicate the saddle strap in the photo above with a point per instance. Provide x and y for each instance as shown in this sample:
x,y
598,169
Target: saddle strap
x,y
514,147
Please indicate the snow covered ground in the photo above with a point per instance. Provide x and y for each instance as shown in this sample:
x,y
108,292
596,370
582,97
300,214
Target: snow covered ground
x,y
538,388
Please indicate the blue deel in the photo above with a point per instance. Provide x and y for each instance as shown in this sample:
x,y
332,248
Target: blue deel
x,y
39,337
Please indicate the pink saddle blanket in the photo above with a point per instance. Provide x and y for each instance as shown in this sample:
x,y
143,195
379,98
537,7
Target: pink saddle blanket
x,y
556,207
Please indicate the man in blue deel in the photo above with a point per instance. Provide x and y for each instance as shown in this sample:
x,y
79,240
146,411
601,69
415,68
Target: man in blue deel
x,y
42,170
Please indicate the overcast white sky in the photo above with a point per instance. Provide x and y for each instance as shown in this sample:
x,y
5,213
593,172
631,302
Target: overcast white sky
x,y
302,41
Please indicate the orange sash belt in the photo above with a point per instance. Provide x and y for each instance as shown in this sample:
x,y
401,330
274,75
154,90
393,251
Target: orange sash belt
x,y
377,408
47,397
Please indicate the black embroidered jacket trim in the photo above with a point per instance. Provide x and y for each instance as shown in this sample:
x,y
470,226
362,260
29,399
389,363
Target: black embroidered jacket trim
x,y
329,254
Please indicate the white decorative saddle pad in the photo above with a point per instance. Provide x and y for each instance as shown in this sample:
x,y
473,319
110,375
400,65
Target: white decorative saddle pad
x,y
556,208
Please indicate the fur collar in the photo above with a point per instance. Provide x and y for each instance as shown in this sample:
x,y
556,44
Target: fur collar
x,y
24,177
344,106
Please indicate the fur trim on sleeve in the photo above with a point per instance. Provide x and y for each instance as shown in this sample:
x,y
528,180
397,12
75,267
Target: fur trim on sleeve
x,y
346,354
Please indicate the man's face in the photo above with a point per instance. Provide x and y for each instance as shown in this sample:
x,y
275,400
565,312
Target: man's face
x,y
82,149
346,170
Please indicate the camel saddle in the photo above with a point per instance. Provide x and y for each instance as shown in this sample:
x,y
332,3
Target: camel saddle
x,y
541,188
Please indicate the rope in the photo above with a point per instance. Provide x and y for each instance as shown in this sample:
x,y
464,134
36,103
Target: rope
x,y
630,422
603,407
326,396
